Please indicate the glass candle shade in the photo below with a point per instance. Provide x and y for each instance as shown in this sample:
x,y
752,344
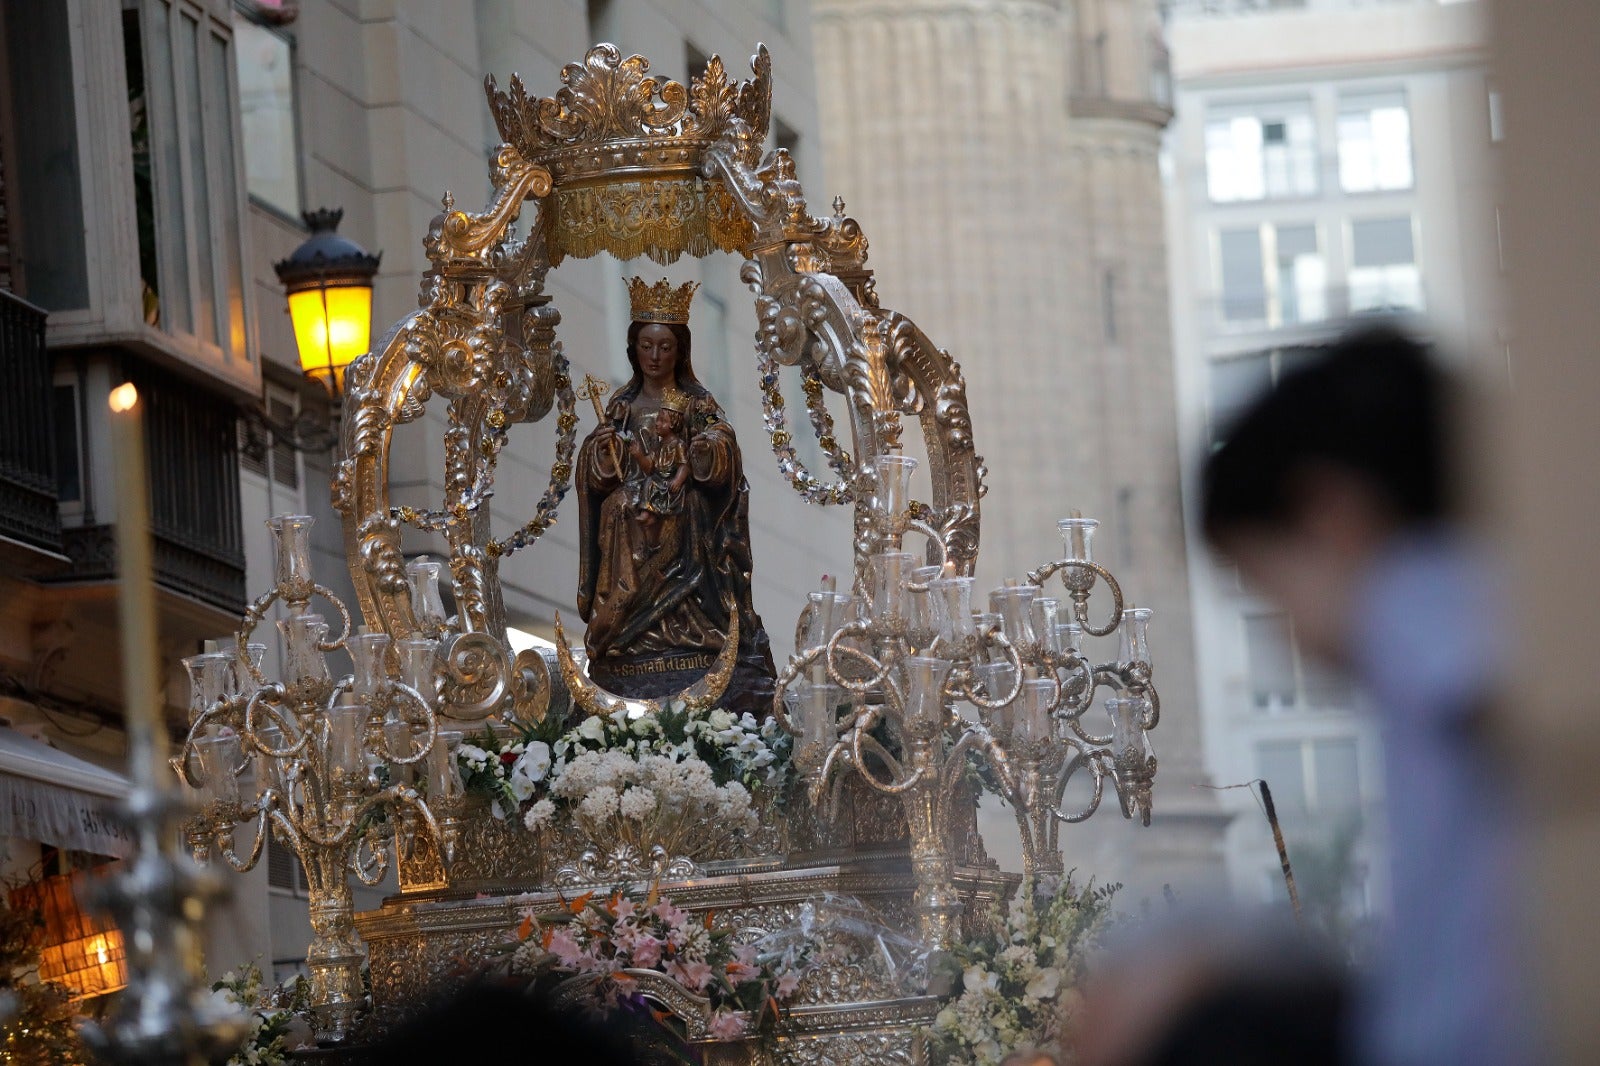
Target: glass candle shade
x,y
426,603
291,545
418,663
210,676
303,662
923,619
952,597
1046,617
1032,717
829,611
345,753
1135,635
813,708
1070,636
244,682
275,773
366,655
444,780
1127,724
219,759
889,573
983,623
894,484
1014,605
925,709
397,738
996,678
1077,537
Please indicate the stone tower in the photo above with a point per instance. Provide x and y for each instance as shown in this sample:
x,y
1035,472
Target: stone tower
x,y
1002,156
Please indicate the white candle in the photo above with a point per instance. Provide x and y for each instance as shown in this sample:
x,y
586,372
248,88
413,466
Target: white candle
x,y
136,615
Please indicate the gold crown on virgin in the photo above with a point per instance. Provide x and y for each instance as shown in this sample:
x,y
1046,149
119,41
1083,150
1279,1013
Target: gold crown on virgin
x,y
674,400
661,302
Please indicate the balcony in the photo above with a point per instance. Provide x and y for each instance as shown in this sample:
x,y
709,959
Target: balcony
x,y
28,511
191,444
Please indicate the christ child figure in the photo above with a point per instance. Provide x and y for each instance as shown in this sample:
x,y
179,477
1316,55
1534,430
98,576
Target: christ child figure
x,y
665,469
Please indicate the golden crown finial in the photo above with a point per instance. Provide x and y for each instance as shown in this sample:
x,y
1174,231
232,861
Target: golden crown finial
x,y
661,302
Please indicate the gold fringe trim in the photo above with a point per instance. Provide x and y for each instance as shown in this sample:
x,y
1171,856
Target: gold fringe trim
x,y
662,219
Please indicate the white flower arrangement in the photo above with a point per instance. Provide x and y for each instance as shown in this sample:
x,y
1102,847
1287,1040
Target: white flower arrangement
x,y
277,1016
650,771
1017,984
649,800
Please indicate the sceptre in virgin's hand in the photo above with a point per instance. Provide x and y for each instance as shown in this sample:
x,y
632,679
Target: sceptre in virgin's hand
x,y
592,390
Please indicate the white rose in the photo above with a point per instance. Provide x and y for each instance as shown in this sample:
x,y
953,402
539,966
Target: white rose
x,y
592,728
720,719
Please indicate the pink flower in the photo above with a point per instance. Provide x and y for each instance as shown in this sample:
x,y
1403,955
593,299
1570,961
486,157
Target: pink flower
x,y
670,914
726,1025
742,971
624,909
692,975
646,951
564,948
787,985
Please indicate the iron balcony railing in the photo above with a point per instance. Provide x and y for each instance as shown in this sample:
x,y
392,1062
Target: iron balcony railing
x,y
28,510
191,440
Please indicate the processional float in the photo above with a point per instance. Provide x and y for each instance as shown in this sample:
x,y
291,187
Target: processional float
x,y
902,697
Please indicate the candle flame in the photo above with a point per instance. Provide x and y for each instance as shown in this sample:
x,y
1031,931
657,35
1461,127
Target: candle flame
x,y
123,397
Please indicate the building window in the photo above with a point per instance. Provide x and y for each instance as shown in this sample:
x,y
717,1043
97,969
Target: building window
x,y
1311,777
1374,143
265,60
69,455
1497,130
1269,153
1281,677
181,103
1383,265
1243,273
262,451
45,191
1273,274
1238,381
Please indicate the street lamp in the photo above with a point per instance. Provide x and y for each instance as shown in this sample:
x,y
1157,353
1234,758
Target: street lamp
x,y
328,280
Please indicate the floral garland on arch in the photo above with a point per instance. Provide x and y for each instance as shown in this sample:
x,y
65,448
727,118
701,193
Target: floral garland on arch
x,y
633,768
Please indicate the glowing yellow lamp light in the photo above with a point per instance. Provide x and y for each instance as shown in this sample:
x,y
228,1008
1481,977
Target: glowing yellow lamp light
x,y
332,328
328,280
77,948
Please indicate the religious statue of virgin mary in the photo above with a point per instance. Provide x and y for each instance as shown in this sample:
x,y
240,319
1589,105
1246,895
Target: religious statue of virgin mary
x,y
663,513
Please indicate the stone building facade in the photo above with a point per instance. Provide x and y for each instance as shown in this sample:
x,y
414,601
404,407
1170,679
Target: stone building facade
x,y
1332,162
1003,159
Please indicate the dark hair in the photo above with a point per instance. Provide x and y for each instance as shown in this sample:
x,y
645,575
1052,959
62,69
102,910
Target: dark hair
x,y
501,1020
682,370
1374,406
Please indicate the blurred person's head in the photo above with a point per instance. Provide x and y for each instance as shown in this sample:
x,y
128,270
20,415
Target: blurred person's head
x,y
1320,473
1029,1057
501,1021
1245,989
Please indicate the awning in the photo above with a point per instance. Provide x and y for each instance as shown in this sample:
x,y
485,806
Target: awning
x,y
59,799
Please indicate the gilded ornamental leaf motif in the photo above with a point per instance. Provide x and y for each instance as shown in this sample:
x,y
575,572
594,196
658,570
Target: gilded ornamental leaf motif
x,y
608,99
